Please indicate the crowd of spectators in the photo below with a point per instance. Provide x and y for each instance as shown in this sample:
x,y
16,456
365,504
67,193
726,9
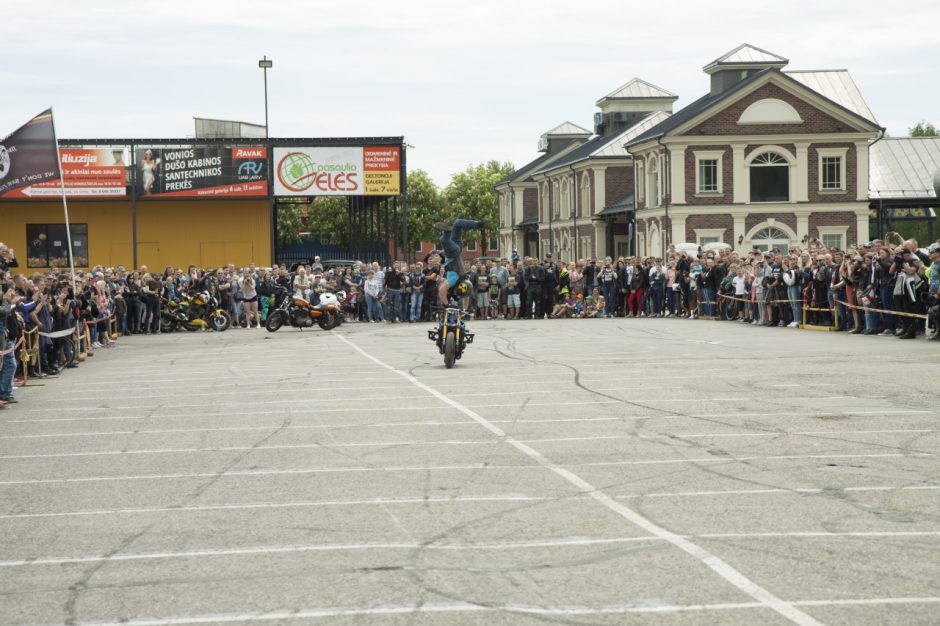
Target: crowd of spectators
x,y
871,288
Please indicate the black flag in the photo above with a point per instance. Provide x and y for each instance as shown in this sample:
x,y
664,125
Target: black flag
x,y
28,155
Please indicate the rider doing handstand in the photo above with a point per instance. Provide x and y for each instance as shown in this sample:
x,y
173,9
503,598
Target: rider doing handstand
x,y
451,247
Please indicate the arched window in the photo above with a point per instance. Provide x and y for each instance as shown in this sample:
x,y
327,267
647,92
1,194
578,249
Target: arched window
x,y
556,201
543,210
770,178
565,200
771,237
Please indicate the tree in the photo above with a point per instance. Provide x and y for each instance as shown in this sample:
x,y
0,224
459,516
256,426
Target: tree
x,y
328,219
290,223
922,129
472,195
425,206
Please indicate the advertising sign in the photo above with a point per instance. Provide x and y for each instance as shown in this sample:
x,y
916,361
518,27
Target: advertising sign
x,y
202,172
89,173
339,171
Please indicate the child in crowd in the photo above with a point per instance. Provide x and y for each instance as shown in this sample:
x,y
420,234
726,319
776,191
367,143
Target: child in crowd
x,y
494,296
590,307
579,306
513,299
741,291
483,298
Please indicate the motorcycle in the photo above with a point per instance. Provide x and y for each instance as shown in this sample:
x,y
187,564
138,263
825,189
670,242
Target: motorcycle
x,y
194,312
451,335
299,313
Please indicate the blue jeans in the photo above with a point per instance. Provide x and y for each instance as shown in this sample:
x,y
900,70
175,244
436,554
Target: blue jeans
x,y
452,243
7,371
887,303
794,293
417,299
671,300
656,299
404,306
393,304
708,295
373,309
610,298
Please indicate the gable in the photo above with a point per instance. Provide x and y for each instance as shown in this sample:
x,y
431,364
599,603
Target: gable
x,y
815,119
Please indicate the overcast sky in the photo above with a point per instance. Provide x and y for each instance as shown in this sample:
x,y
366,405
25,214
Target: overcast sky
x,y
463,82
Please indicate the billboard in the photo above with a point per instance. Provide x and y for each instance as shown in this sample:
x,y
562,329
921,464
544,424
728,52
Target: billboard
x,y
338,171
202,172
88,172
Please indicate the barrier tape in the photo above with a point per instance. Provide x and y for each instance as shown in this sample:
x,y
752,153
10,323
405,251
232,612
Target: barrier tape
x,y
900,313
15,346
723,296
58,333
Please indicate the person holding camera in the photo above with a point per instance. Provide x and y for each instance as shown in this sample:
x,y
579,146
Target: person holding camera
x,y
908,272
933,292
7,258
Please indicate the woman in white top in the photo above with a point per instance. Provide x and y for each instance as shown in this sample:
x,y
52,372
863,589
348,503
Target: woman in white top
x,y
249,295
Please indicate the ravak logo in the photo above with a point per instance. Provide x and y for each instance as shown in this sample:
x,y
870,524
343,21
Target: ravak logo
x,y
250,168
6,163
250,153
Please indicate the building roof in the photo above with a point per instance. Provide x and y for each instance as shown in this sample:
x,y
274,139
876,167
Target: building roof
x,y
688,112
746,55
607,146
537,164
532,220
624,205
903,167
838,86
708,100
568,128
638,88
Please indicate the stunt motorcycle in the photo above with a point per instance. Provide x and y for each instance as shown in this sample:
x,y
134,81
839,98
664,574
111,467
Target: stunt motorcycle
x,y
451,335
197,312
299,313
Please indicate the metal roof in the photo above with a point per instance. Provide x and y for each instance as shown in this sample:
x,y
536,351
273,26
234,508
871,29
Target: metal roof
x,y
535,165
616,147
746,54
568,128
638,88
607,146
624,205
838,86
903,167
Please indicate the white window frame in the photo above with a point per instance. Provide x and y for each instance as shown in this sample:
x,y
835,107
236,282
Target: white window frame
x,y
831,152
543,203
654,175
556,200
472,246
701,233
791,175
565,199
841,231
709,155
585,195
490,247
640,181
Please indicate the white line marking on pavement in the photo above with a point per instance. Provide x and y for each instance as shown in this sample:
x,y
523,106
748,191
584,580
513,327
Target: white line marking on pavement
x,y
283,505
260,473
564,542
726,459
464,607
712,561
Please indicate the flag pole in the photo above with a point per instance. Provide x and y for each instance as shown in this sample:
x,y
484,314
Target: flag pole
x,y
65,205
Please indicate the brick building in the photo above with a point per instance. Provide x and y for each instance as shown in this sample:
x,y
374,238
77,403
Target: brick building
x,y
576,200
767,158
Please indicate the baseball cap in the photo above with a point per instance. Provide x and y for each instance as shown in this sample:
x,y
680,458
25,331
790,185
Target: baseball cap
x,y
934,247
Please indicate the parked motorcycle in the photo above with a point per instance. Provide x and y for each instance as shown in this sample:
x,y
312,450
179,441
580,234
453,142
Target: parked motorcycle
x,y
451,335
299,313
196,312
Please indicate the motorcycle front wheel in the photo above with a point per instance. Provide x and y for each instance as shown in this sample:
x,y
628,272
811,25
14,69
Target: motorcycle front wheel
x,y
275,321
329,320
450,350
220,321
168,324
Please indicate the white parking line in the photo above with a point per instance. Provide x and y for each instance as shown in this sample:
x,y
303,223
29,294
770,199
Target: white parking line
x,y
563,542
720,567
510,609
281,505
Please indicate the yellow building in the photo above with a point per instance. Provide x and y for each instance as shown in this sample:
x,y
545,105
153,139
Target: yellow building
x,y
207,233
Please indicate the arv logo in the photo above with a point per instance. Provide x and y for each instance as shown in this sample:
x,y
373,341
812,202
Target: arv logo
x,y
249,168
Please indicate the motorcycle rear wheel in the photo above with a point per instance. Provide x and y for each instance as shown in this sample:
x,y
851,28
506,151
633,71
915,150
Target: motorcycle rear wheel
x,y
168,324
275,321
450,350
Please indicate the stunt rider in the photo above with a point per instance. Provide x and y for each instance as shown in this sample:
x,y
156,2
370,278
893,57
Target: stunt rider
x,y
451,241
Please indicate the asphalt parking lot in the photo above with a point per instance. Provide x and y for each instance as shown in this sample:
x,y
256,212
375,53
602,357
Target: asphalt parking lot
x,y
578,472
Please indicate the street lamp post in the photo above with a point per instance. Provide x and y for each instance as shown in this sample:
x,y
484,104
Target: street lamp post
x,y
264,64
